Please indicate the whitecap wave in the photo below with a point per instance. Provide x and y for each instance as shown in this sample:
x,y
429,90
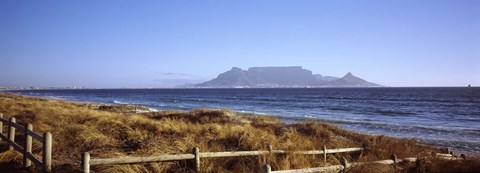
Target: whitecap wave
x,y
119,102
152,110
309,116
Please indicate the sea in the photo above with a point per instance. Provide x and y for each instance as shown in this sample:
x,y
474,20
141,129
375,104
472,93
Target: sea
x,y
445,117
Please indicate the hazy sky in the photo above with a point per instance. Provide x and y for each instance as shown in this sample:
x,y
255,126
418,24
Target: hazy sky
x,y
120,43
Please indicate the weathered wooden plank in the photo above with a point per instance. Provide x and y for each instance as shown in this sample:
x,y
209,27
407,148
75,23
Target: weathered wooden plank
x,y
313,152
456,158
343,150
444,155
16,146
3,120
409,159
35,135
18,126
385,162
124,160
279,152
329,151
310,170
233,154
448,157
34,159
4,138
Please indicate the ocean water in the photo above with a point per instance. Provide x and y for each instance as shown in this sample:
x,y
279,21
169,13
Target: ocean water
x,y
448,117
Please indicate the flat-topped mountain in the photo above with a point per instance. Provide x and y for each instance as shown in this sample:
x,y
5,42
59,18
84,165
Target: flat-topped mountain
x,y
275,77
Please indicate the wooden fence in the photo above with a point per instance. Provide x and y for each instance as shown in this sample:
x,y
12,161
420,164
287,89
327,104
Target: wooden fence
x,y
46,139
46,161
196,155
345,165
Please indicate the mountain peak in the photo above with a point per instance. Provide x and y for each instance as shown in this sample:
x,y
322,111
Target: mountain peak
x,y
236,69
349,74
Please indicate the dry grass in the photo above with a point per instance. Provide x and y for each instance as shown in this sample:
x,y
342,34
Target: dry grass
x,y
107,132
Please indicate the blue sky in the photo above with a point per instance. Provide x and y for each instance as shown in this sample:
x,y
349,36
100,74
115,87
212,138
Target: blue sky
x,y
120,43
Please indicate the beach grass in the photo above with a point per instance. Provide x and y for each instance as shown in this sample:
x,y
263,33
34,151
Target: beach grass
x,y
114,130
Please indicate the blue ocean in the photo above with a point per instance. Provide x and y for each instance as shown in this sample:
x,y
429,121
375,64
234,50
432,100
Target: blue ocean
x,y
448,117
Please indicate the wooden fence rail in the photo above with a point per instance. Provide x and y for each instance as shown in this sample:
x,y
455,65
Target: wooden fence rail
x,y
345,165
334,168
195,156
46,139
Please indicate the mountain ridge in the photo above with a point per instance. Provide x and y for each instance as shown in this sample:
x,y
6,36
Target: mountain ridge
x,y
281,77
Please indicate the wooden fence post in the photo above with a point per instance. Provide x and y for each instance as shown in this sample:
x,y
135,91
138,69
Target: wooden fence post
x,y
325,154
453,154
270,149
28,146
196,153
11,132
420,165
267,168
47,152
85,162
1,125
395,160
344,163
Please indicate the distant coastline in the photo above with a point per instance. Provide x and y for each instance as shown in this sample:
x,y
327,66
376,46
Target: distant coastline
x,y
153,88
